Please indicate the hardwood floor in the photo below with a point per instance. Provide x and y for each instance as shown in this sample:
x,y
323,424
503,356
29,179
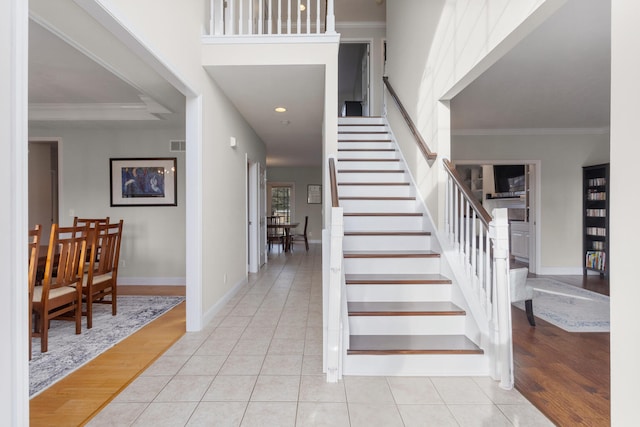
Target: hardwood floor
x,y
565,375
73,400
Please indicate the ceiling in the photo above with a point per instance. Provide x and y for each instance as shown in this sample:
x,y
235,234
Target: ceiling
x,y
557,77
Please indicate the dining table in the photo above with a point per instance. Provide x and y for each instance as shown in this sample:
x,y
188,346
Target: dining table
x,y
287,227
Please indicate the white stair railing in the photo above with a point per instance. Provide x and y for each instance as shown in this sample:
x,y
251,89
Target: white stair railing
x,y
482,246
337,316
271,17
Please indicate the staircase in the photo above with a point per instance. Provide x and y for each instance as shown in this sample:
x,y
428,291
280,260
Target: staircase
x,y
402,320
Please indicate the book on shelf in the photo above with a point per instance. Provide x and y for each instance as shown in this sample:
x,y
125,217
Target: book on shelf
x,y
596,260
597,212
597,182
596,231
596,195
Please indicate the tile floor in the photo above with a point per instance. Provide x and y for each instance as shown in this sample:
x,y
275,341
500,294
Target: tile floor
x,y
259,363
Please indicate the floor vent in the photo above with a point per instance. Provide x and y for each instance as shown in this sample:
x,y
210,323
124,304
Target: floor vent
x,y
178,145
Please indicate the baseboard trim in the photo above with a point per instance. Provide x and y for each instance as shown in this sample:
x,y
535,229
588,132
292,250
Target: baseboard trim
x,y
152,281
215,309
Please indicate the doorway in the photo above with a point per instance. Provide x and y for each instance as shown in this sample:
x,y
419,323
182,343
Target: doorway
x,y
354,79
43,183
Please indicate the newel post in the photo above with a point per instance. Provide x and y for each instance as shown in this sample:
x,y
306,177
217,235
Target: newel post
x,y
499,231
331,19
334,332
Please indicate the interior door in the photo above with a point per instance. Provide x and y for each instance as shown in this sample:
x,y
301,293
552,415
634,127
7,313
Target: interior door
x,y
43,184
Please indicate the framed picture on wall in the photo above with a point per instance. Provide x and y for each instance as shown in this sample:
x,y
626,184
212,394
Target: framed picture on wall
x,y
143,182
314,194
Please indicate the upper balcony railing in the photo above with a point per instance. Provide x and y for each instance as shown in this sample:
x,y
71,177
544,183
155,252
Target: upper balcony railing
x,y
271,17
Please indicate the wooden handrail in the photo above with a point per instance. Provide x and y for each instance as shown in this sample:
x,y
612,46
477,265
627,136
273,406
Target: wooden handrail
x,y
484,216
428,154
334,183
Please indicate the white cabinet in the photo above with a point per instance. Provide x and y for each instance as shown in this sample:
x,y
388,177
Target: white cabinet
x,y
520,240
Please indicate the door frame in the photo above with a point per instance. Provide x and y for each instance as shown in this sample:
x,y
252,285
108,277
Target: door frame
x,y
369,43
252,215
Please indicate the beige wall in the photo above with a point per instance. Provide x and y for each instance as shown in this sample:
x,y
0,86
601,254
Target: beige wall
x,y
301,177
561,158
153,243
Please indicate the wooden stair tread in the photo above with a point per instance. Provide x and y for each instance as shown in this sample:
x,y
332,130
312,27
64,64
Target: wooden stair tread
x,y
387,233
404,308
368,160
377,198
396,279
374,132
412,344
368,141
382,214
371,171
373,183
387,150
391,254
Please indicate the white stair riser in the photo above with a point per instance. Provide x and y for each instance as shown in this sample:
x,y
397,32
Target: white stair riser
x,y
362,136
387,223
404,206
364,165
371,177
364,128
367,155
380,243
417,365
366,145
360,120
406,325
392,265
375,191
381,293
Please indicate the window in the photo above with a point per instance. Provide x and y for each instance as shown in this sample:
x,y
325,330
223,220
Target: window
x,y
280,198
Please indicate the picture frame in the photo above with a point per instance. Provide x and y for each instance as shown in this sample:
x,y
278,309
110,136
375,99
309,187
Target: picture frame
x,y
143,181
314,194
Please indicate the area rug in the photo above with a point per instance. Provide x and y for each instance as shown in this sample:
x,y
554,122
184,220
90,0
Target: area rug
x,y
68,351
569,307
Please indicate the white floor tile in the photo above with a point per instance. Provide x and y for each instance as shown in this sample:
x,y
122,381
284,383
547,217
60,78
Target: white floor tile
x,y
270,414
374,415
322,414
219,414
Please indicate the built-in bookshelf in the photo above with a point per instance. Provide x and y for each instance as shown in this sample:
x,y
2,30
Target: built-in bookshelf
x,y
596,218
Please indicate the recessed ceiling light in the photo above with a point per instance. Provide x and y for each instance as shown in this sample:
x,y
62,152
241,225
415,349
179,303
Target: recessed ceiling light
x,y
303,8
280,109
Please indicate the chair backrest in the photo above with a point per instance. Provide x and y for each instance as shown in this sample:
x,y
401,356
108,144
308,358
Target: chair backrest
x,y
106,244
65,258
306,224
34,253
91,222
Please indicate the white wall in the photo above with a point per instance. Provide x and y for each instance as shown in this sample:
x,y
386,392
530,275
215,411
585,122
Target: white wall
x,y
561,158
153,242
625,152
301,177
434,49
174,34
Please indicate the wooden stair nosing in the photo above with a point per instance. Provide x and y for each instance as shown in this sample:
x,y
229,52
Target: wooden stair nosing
x,y
387,233
387,150
371,171
373,183
396,279
382,214
411,344
357,132
362,124
368,160
390,254
401,308
366,140
377,198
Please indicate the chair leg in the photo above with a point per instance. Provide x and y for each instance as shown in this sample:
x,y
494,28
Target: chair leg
x,y
528,305
306,243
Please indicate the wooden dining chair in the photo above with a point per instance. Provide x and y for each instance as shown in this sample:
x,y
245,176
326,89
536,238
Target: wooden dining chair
x,y
60,296
275,234
101,279
91,224
301,237
34,254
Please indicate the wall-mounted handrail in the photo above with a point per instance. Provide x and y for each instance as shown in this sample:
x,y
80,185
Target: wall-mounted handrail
x,y
482,213
422,145
334,183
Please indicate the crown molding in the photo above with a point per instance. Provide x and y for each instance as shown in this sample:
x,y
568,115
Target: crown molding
x,y
110,111
531,131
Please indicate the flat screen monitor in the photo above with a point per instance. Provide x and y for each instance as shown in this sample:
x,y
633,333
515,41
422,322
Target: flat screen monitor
x,y
509,178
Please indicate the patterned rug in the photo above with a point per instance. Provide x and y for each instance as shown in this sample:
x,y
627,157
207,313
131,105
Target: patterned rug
x,y
68,351
568,307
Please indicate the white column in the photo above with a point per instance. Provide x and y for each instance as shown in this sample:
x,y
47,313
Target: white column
x,y
331,18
